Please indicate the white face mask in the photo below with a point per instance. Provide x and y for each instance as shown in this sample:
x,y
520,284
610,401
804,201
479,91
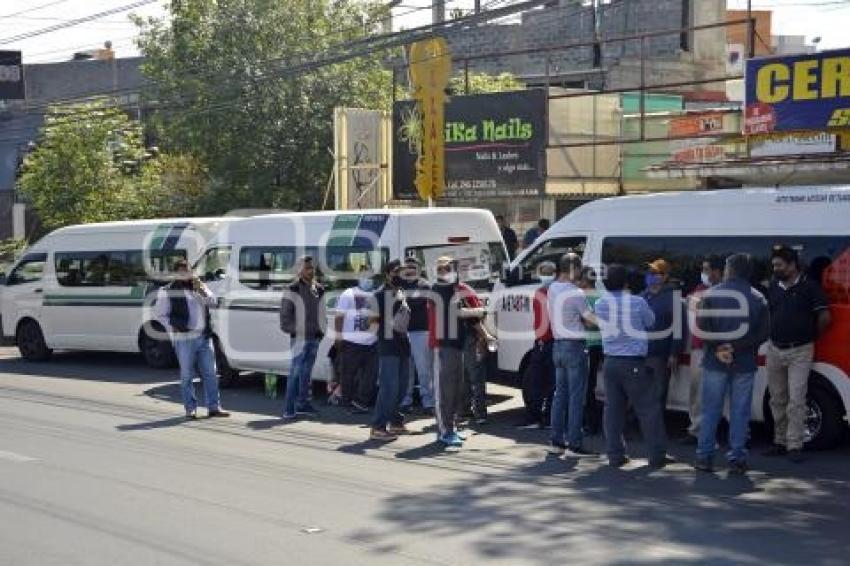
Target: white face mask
x,y
365,283
545,279
449,277
705,280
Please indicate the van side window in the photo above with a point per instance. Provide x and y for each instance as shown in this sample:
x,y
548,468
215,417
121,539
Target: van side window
x,y
214,264
29,270
264,267
550,250
115,268
160,264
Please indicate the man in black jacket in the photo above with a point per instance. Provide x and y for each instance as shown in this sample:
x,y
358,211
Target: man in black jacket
x,y
182,307
301,318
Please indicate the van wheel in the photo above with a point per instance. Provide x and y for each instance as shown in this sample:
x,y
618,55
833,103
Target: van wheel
x,y
31,342
158,354
227,376
823,426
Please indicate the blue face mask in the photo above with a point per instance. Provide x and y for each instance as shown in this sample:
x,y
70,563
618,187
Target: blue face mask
x,y
653,279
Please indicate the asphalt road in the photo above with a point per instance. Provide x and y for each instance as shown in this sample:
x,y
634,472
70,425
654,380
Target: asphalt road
x,y
97,467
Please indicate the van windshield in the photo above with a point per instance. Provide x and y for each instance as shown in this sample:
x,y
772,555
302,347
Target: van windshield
x,y
479,263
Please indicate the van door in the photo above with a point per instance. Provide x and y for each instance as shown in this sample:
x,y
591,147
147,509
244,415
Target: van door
x,y
23,294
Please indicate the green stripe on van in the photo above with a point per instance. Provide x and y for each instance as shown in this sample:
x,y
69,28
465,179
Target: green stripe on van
x,y
159,236
344,230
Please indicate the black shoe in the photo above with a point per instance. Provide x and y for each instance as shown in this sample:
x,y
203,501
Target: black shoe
x,y
704,465
307,410
795,455
581,451
428,411
775,450
191,416
618,462
405,409
661,462
359,408
218,413
688,441
738,467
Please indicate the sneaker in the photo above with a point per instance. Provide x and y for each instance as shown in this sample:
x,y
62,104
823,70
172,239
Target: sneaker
x,y
359,408
398,430
775,450
218,413
556,449
618,462
289,417
528,425
455,439
795,455
580,451
381,434
738,467
704,465
191,416
462,435
689,440
661,462
428,411
307,411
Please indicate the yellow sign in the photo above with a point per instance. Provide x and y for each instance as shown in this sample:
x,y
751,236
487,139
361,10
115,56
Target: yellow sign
x,y
430,71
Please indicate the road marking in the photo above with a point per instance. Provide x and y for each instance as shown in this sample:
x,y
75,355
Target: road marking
x,y
12,457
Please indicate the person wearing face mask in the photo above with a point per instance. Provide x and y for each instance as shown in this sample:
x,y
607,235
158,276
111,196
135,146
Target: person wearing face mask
x,y
454,306
182,307
541,370
666,335
711,274
417,291
356,339
799,315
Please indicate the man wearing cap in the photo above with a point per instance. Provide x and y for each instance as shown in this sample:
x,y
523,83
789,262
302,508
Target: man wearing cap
x,y
666,338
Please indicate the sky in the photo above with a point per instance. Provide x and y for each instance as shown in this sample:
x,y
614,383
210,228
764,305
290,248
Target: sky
x,y
828,19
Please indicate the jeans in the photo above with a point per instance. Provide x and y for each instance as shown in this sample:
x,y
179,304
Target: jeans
x,y
570,359
695,392
448,388
541,371
660,366
197,351
715,384
475,374
629,380
358,366
392,373
788,381
423,363
298,383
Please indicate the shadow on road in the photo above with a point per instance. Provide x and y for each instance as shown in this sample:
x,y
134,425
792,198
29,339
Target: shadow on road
x,y
110,367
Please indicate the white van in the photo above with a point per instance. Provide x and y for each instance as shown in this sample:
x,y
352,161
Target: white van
x,y
88,287
684,228
252,259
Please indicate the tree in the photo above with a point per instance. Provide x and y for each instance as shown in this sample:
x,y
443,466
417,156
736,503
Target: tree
x,y
90,165
222,92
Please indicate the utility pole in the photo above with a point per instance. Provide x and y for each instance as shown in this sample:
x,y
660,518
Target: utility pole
x,y
438,11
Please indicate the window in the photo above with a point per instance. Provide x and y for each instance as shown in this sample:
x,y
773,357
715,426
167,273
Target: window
x,y
117,268
686,254
29,269
550,250
479,264
261,268
214,264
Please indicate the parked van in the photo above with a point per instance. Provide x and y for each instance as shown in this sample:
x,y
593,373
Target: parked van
x,y
252,259
88,287
684,228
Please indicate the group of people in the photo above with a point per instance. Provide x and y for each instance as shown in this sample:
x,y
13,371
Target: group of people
x,y
388,338
642,336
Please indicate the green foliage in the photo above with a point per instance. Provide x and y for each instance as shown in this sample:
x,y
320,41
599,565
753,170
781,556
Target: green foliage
x,y
10,249
263,135
88,166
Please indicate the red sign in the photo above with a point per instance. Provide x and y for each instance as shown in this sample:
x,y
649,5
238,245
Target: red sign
x,y
759,118
696,125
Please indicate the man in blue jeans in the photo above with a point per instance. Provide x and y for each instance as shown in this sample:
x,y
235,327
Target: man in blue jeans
x,y
393,355
733,322
182,307
568,312
301,316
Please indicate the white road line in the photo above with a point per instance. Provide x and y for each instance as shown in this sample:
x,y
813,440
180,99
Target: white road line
x,y
13,457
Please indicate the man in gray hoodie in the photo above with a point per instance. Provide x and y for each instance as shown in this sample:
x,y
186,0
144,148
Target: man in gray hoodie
x,y
300,317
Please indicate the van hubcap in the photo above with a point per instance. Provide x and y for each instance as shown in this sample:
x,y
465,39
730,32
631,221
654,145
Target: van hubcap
x,y
813,422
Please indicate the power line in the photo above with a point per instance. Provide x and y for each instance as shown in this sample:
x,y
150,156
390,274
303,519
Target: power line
x,y
33,9
74,22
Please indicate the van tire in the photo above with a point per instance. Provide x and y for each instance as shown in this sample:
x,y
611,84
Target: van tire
x,y
227,376
30,341
823,410
158,354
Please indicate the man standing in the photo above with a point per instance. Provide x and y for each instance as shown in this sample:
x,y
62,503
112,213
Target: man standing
x,y
182,307
541,370
568,312
533,233
623,319
508,235
454,305
730,362
799,314
394,355
417,291
301,313
710,275
356,343
592,407
666,333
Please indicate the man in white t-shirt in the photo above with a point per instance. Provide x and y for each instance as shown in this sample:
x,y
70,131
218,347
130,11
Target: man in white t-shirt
x,y
356,338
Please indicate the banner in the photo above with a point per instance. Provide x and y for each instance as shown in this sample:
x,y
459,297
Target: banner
x,y
494,145
11,76
799,92
361,158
